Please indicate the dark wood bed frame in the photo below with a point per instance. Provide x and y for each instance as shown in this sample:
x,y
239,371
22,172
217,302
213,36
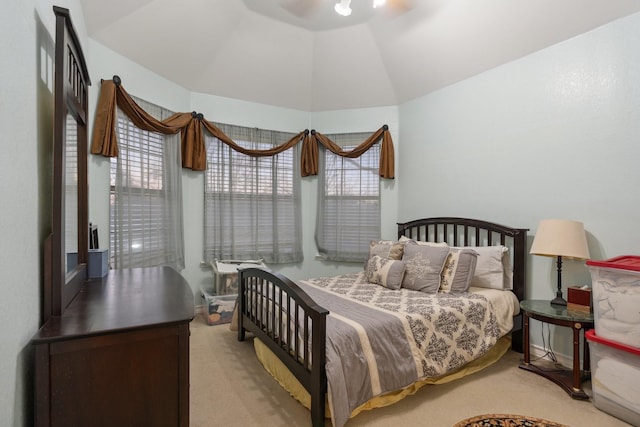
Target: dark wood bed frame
x,y
265,297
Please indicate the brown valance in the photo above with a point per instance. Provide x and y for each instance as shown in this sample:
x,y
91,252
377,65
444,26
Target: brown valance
x,y
113,95
310,151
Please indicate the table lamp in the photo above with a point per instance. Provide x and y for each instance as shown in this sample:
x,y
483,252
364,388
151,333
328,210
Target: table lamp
x,y
560,238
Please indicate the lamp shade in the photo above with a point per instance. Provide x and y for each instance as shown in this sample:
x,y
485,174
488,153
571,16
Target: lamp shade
x,y
560,237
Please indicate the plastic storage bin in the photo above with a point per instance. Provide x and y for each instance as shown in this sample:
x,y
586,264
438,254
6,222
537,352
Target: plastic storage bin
x,y
616,298
218,308
225,274
615,378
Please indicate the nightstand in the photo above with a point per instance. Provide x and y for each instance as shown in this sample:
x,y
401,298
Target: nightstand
x,y
542,310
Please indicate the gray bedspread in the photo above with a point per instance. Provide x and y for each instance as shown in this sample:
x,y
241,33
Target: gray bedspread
x,y
380,340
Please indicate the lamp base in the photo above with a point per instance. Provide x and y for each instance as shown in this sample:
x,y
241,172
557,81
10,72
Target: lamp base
x,y
558,301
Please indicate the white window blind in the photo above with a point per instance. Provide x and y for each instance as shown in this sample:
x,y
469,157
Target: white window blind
x,y
252,204
71,187
348,200
146,196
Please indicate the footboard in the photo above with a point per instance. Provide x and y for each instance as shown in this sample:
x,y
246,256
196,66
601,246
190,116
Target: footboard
x,y
291,324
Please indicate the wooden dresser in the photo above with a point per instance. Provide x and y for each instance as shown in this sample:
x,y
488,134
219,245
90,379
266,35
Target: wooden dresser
x,y
119,354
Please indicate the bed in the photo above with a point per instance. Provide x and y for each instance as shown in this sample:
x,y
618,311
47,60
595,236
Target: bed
x,y
349,344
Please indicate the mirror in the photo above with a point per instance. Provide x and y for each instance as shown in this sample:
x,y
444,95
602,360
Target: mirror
x,y
66,250
71,195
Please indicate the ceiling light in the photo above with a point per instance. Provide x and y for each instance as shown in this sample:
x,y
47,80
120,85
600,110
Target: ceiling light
x,y
378,3
343,7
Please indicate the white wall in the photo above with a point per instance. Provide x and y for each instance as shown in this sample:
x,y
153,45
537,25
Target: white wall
x,y
27,31
553,135
145,84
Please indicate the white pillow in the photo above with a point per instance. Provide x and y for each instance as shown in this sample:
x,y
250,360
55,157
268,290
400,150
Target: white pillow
x,y
493,267
405,240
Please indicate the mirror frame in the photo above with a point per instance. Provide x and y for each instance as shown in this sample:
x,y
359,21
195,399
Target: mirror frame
x,y
71,82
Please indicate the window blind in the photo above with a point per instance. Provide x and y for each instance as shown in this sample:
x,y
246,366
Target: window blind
x,y
348,201
146,196
252,204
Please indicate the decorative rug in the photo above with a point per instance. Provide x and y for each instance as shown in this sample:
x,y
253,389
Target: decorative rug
x,y
506,420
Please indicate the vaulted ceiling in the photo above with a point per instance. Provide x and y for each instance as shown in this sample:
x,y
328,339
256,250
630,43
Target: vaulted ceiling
x,y
300,54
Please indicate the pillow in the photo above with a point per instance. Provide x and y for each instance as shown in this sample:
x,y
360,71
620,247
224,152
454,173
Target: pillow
x,y
458,270
423,267
493,268
385,272
386,249
405,240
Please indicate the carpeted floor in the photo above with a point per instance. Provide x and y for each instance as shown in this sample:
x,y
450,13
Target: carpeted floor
x,y
506,420
229,387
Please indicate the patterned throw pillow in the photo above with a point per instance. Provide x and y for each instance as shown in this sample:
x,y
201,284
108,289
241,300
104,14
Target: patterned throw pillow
x,y
386,249
423,267
458,270
385,272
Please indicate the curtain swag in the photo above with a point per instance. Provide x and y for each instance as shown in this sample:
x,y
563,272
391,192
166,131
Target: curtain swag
x,y
113,95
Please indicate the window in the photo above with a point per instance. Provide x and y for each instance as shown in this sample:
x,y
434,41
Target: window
x,y
348,200
146,196
252,204
71,188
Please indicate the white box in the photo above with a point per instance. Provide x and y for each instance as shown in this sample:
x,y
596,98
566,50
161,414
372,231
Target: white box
x,y
615,378
97,264
616,298
225,275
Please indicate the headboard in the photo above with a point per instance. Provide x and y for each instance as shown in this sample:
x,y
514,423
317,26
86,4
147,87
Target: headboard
x,y
473,232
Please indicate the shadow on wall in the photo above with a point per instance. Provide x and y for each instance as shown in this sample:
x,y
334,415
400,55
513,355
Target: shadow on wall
x,y
23,406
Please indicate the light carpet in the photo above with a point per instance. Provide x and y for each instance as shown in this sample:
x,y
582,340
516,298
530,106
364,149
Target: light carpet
x,y
229,387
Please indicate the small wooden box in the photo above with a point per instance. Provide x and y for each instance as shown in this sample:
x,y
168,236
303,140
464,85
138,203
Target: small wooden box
x,y
579,298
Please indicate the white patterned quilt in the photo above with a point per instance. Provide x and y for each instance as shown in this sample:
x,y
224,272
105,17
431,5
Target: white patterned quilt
x,y
380,340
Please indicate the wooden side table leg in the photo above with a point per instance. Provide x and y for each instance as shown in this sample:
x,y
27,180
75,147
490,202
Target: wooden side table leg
x,y
586,358
527,356
576,356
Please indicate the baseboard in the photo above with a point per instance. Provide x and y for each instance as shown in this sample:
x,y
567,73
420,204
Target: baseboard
x,y
537,351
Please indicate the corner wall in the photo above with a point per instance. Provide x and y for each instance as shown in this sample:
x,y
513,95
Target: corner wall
x,y
145,84
27,43
552,135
